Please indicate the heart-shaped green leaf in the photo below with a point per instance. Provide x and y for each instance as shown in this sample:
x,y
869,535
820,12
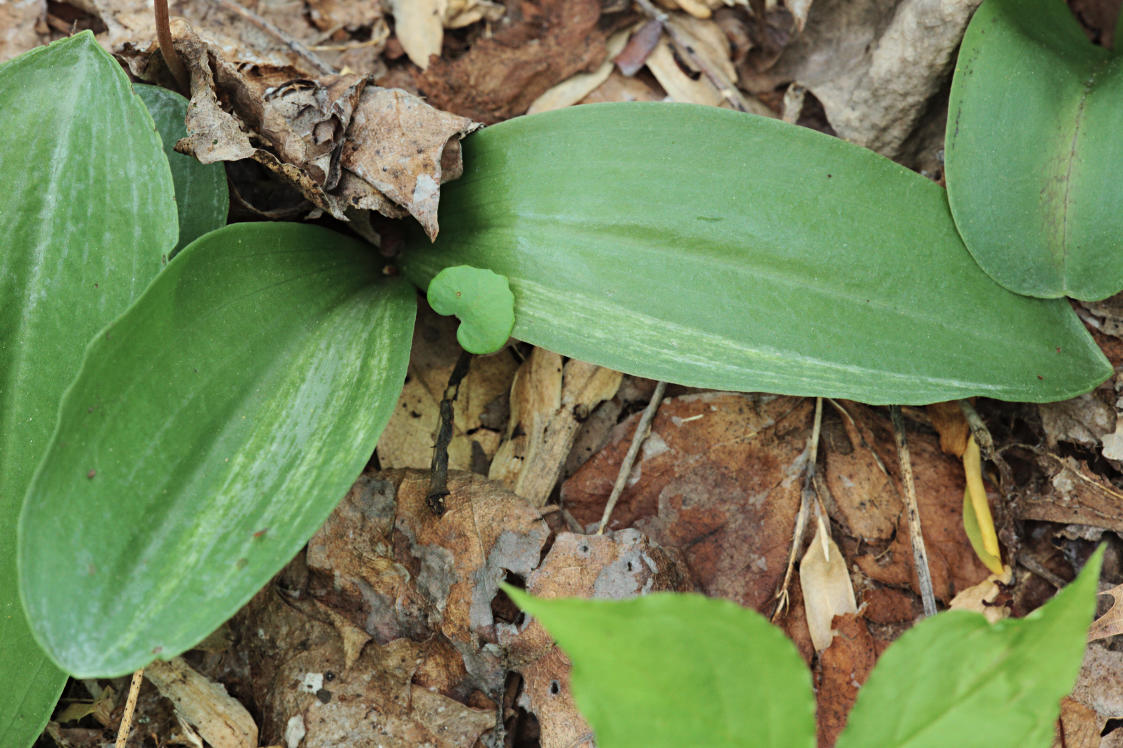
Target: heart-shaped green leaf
x,y
1033,149
481,300
957,680
722,250
678,670
86,214
212,429
201,194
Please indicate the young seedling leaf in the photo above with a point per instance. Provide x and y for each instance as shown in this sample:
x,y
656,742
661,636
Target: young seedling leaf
x,y
675,670
200,189
211,430
481,300
1033,148
722,250
86,213
957,680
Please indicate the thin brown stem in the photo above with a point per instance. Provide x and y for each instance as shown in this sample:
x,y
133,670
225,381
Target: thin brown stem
x,y
912,513
167,49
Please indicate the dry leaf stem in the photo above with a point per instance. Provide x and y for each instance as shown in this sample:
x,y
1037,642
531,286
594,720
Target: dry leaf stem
x,y
912,511
134,691
633,451
167,49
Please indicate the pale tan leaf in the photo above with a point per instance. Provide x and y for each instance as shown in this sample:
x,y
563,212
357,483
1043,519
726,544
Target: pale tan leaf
x,y
826,587
981,597
1111,622
419,25
577,87
205,705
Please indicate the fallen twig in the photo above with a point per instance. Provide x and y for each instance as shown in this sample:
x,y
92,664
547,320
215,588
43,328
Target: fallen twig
x,y
912,512
630,458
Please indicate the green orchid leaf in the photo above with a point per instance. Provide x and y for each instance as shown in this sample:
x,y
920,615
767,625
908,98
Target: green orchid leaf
x,y
956,680
722,250
1032,149
200,189
86,215
481,300
676,670
212,429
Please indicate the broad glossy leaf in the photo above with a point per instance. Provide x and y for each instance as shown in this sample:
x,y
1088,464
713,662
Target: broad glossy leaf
x,y
212,428
722,250
86,213
1033,149
481,300
957,680
201,194
678,670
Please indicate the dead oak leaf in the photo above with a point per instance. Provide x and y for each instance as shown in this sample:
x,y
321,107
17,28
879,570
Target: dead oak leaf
x,y
1111,622
341,141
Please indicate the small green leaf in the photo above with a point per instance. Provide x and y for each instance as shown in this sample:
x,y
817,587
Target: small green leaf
x,y
721,250
212,429
200,189
678,670
481,300
956,680
1033,150
86,213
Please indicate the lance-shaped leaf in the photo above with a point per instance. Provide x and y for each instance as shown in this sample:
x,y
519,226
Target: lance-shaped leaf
x,y
722,250
675,670
211,430
1033,149
86,214
201,194
957,680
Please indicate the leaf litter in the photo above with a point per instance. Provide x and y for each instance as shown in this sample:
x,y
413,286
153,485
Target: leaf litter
x,y
388,629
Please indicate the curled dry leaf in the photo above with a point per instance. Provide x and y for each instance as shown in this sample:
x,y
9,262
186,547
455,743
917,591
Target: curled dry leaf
x,y
19,22
1072,494
1111,622
341,141
419,26
825,582
984,597
617,566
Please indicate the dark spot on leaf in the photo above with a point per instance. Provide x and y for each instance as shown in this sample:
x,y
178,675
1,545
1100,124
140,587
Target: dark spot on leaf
x,y
1040,377
260,534
157,650
91,474
828,176
241,563
1058,349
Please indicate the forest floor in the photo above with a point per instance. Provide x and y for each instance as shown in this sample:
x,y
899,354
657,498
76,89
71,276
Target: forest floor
x,y
390,619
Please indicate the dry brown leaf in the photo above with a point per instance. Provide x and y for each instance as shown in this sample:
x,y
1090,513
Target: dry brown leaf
x,y
343,143
20,23
461,13
616,566
501,75
1098,685
866,501
717,479
1085,420
548,404
387,564
825,582
843,668
205,705
419,26
1078,726
577,87
1111,622
1073,494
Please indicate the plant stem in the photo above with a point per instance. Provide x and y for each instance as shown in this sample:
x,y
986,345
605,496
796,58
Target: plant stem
x,y
167,49
629,459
